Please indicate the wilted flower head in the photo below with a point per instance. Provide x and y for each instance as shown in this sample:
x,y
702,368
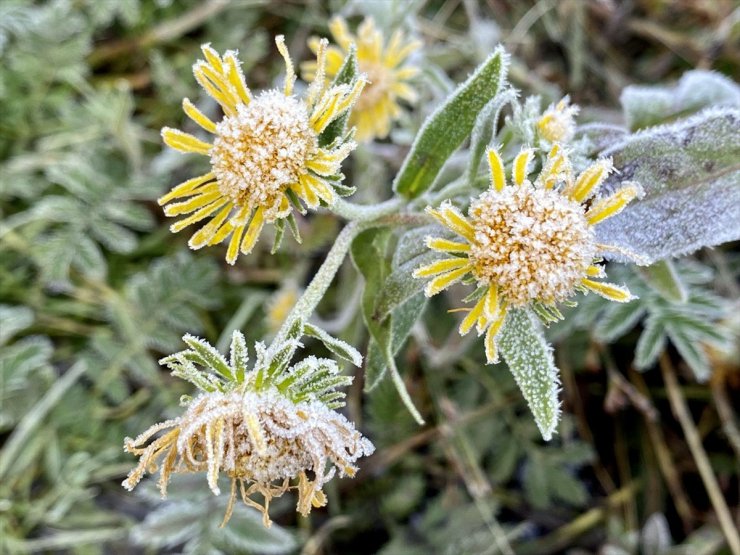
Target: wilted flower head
x,y
383,63
267,156
557,124
527,244
269,429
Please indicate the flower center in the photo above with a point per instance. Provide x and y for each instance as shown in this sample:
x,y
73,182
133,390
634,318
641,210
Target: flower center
x,y
262,150
376,88
533,243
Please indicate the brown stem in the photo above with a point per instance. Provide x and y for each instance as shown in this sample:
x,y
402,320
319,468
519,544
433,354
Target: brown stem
x,y
693,439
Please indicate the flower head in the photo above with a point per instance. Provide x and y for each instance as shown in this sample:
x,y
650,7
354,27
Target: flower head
x,y
383,63
269,430
266,157
557,124
527,244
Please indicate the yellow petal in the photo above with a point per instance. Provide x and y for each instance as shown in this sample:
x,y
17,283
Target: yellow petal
x,y
184,142
212,57
595,271
445,245
255,226
491,333
209,194
232,252
197,116
340,32
590,179
203,236
472,317
521,165
445,280
236,78
498,178
289,71
199,215
186,188
608,290
452,219
612,205
491,306
440,267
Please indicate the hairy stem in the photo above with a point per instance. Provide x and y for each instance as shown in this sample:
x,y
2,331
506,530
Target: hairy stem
x,y
360,213
313,294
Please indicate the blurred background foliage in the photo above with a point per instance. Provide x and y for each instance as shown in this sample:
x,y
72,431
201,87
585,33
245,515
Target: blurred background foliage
x,y
94,289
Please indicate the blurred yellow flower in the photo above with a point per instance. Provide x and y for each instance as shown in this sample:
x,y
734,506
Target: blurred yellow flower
x,y
528,244
557,124
382,63
265,157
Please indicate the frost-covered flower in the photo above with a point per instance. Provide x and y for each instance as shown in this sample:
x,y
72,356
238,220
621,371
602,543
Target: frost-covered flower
x,y
557,124
527,244
269,429
383,63
266,157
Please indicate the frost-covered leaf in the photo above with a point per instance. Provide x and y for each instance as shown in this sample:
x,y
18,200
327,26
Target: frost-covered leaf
x,y
618,319
530,360
662,277
446,129
645,106
402,320
336,346
170,525
690,171
245,534
651,343
369,255
13,319
655,537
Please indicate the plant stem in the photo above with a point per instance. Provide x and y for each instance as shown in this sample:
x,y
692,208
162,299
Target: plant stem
x,y
313,294
360,213
681,411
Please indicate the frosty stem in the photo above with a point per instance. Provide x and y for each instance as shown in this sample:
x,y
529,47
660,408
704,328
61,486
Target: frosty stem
x,y
360,213
320,282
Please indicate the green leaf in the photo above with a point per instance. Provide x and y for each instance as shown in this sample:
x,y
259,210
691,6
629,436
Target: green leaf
x,y
402,320
664,279
336,346
204,354
14,319
618,319
446,129
369,255
690,351
530,360
651,343
690,172
245,533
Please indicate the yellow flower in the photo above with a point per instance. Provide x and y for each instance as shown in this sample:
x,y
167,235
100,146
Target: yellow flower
x,y
383,63
557,124
260,440
527,244
265,157
269,428
280,305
